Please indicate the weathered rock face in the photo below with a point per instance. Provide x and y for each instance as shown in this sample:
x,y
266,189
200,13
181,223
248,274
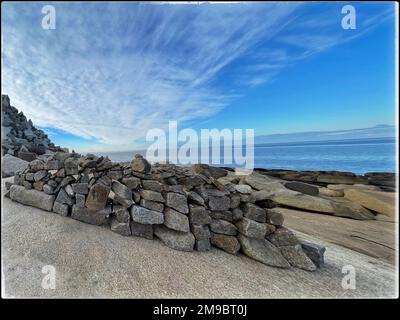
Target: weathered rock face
x,y
140,164
32,198
186,208
20,138
378,201
262,250
10,165
175,239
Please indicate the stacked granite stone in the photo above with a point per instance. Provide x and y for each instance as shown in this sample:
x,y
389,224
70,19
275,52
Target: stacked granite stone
x,y
20,138
186,208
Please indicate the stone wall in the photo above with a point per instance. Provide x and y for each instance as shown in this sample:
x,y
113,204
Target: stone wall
x,y
186,208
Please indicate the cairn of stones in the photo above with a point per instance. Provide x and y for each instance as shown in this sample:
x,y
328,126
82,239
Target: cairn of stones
x,y
20,138
187,208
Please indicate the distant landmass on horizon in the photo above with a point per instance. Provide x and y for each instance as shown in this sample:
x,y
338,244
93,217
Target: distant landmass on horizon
x,y
379,131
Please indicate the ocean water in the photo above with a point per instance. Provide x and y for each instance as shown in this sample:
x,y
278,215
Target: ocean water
x,y
358,156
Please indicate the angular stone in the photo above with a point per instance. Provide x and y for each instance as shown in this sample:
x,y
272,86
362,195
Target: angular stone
x,y
201,232
203,245
176,220
66,180
152,205
175,239
81,188
121,190
253,212
209,171
80,200
146,216
60,208
121,213
71,166
90,216
54,164
250,198
27,185
97,197
105,180
262,195
314,251
195,198
121,228
227,243
136,196
26,156
270,229
283,237
263,251
60,173
30,176
63,197
275,217
234,201
69,191
153,185
302,187
199,215
38,185
243,188
223,227
8,185
114,174
131,182
32,198
224,215
178,202
152,195
18,178
251,228
10,165
62,156
237,214
142,230
219,203
262,182
297,258
140,164
37,165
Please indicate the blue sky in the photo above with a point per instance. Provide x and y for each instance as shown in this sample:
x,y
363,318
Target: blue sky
x,y
109,72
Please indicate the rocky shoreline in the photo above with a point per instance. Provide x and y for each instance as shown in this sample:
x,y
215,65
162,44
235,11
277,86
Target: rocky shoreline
x,y
187,208
194,208
20,138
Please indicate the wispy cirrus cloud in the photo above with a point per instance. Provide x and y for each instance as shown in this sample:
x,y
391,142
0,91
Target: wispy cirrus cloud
x,y
110,72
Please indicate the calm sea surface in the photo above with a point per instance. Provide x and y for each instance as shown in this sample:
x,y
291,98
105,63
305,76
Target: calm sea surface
x,y
358,156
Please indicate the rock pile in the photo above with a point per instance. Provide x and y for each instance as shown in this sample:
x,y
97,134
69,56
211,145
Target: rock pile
x,y
20,138
187,208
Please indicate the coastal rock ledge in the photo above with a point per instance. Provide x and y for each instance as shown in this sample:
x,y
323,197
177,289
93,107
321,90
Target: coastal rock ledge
x,y
184,207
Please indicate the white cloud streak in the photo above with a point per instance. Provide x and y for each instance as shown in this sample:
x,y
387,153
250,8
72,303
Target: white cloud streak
x,y
110,72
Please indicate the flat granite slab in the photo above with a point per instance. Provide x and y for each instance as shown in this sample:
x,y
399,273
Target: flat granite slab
x,y
376,238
